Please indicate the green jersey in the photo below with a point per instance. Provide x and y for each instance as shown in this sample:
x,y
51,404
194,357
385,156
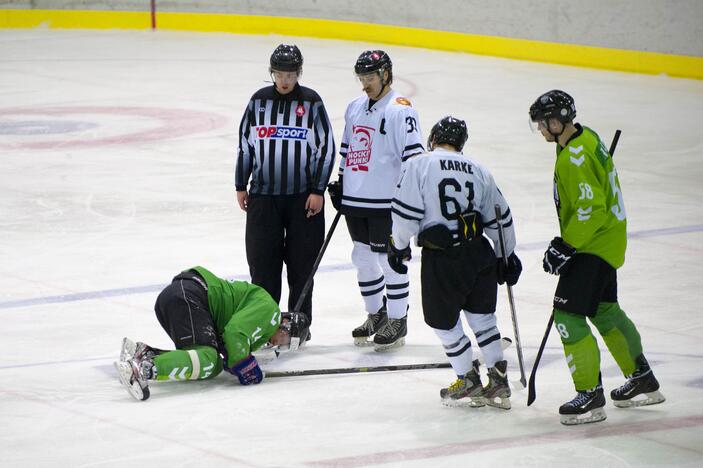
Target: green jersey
x,y
245,315
588,198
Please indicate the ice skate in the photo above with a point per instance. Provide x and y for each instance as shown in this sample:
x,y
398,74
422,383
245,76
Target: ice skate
x,y
391,335
135,370
586,407
466,391
363,334
497,392
641,388
128,349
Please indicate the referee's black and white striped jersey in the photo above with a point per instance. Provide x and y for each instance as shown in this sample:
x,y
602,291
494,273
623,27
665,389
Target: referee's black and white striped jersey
x,y
377,141
438,185
286,143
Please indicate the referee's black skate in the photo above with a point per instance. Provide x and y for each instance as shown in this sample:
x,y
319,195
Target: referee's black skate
x,y
586,407
465,391
641,382
497,392
363,334
391,335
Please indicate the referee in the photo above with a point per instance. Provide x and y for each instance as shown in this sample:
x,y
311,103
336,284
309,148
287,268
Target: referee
x,y
286,154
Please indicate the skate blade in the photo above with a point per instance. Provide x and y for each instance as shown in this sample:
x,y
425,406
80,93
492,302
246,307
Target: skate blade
x,y
128,349
499,402
363,341
386,347
651,398
466,402
595,415
124,372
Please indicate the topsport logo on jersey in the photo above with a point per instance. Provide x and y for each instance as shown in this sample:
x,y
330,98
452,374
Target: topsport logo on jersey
x,y
280,132
360,145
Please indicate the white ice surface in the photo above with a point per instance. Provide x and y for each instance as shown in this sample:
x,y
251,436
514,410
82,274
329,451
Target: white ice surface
x,y
116,171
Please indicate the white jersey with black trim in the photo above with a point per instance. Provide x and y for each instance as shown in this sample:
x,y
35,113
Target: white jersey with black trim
x,y
436,186
376,142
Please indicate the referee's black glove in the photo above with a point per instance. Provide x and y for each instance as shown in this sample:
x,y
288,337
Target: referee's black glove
x,y
510,273
396,257
335,191
558,256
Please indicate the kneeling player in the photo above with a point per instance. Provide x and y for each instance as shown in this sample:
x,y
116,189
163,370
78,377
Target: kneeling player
x,y
215,324
446,200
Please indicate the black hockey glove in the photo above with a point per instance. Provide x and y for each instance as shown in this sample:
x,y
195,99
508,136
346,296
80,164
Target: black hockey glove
x,y
509,274
396,257
335,191
557,257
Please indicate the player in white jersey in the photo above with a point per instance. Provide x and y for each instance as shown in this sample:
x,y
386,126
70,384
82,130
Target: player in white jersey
x,y
447,201
381,132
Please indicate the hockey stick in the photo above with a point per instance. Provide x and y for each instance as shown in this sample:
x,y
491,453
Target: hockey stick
x,y
518,346
531,390
308,282
505,342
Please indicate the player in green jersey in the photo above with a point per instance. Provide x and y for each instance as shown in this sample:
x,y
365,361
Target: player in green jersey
x,y
592,246
215,324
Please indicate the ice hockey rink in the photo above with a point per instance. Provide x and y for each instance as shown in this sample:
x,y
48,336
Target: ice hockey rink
x,y
116,172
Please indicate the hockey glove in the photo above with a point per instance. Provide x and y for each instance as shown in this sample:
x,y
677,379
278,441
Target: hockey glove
x,y
335,191
557,257
510,273
247,371
396,257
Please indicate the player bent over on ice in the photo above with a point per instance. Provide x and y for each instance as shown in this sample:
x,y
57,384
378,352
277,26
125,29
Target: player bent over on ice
x,y
447,201
592,246
215,324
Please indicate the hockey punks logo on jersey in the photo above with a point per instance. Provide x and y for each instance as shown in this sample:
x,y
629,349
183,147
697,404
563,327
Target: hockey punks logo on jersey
x,y
360,145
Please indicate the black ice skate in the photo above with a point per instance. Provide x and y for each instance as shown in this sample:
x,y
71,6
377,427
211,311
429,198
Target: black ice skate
x,y
641,382
586,407
497,392
391,335
136,368
363,334
466,391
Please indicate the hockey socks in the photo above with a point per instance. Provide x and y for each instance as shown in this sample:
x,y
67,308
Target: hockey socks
x,y
580,349
192,363
620,335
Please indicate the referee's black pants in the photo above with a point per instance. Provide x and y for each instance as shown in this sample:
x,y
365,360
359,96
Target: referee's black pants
x,y
278,231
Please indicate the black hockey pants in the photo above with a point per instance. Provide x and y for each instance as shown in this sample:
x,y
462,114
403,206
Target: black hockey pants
x,y
278,231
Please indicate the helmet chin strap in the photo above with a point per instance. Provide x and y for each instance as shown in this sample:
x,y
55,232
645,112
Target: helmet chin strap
x,y
383,83
556,135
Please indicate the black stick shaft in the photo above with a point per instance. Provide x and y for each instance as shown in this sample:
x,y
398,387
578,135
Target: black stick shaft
x,y
531,391
359,370
308,282
504,343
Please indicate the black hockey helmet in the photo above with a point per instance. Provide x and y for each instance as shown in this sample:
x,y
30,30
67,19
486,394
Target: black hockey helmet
x,y
286,58
448,130
297,325
374,61
553,104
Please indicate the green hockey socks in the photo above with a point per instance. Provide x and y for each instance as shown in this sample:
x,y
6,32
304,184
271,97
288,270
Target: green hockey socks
x,y
191,363
620,335
580,348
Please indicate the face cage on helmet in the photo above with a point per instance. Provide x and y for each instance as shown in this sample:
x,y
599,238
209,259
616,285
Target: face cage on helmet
x,y
293,343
